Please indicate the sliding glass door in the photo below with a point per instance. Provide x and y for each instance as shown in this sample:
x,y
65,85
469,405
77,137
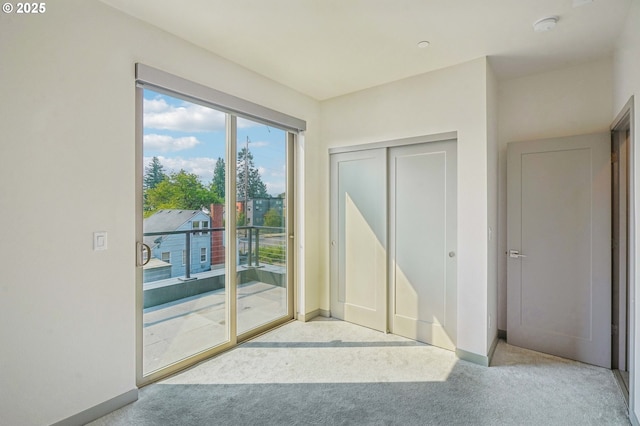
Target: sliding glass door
x,y
261,188
215,231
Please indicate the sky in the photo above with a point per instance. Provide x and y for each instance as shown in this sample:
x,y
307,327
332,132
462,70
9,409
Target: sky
x,y
184,135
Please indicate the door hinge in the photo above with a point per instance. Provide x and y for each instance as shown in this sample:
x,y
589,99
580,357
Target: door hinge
x,y
614,157
614,330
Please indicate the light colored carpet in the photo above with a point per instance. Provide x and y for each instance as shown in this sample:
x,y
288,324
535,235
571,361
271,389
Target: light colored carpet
x,y
328,372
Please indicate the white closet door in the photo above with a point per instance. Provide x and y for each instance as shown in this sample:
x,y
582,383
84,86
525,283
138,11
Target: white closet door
x,y
358,238
422,242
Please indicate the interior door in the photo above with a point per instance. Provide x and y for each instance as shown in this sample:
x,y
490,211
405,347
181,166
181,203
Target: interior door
x,y
359,238
559,247
422,242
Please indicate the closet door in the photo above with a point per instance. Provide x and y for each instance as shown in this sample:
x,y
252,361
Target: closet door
x,y
358,238
422,242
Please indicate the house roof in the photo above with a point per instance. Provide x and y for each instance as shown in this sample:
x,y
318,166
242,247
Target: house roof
x,y
168,220
155,263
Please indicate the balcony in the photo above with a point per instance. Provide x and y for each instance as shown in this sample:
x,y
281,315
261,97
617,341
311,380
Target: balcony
x,y
186,313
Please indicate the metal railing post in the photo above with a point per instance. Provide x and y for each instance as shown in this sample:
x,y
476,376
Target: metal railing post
x,y
257,246
250,247
187,261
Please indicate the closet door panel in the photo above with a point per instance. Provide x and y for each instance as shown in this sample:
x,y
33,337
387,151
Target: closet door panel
x,y
358,232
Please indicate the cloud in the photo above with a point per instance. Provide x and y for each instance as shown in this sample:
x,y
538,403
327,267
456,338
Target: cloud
x,y
155,105
201,166
166,143
158,114
275,188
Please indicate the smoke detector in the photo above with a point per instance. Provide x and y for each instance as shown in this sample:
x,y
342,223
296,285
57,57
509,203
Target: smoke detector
x,y
545,24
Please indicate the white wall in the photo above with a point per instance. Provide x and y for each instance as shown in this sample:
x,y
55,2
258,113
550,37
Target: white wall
x,y
627,84
452,99
67,169
569,101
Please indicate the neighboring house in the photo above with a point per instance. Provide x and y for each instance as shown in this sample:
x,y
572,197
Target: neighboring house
x,y
170,250
257,207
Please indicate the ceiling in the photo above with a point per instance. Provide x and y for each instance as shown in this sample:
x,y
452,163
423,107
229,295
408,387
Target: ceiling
x,y
327,48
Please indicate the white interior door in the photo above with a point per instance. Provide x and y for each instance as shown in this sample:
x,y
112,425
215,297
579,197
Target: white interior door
x,y
559,241
422,242
358,238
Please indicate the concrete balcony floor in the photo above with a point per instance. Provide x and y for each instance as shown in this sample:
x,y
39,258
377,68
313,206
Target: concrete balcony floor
x,y
176,330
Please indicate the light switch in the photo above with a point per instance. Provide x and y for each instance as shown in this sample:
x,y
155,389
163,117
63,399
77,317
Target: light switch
x,y
99,240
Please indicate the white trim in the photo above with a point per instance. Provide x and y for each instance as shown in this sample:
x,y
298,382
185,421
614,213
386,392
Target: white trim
x,y
626,119
160,81
438,137
299,226
230,243
482,360
100,410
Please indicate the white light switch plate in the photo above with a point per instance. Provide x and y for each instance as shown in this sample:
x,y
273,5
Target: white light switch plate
x,y
100,240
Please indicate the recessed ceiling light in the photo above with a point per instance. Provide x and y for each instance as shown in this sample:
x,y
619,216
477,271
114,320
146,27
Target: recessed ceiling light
x,y
545,24
423,44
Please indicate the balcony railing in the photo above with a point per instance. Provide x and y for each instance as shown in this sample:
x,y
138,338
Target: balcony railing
x,y
257,246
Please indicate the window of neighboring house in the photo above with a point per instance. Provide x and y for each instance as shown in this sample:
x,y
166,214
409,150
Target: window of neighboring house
x,y
203,254
197,224
184,257
166,256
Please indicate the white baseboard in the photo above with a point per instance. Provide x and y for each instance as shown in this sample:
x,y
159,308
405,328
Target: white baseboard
x,y
100,410
482,360
311,315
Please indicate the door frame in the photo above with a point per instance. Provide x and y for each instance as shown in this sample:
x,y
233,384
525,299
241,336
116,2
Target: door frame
x,y
234,108
623,123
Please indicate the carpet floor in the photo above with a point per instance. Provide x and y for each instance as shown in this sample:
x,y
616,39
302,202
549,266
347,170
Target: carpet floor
x,y
328,372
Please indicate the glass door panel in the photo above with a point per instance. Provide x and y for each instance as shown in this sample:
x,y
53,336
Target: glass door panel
x,y
209,281
261,212
185,308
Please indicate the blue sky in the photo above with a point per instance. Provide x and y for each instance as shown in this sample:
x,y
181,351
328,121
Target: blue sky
x,y
184,135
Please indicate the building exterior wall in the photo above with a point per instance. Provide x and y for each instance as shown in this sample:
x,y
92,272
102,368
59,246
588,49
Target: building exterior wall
x,y
175,245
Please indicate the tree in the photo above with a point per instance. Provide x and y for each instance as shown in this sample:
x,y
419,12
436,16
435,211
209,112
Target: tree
x,y
272,218
180,190
241,219
249,185
153,174
218,182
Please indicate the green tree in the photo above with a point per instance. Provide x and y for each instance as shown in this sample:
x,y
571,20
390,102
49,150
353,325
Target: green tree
x,y
272,218
218,182
240,219
153,174
180,190
249,181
